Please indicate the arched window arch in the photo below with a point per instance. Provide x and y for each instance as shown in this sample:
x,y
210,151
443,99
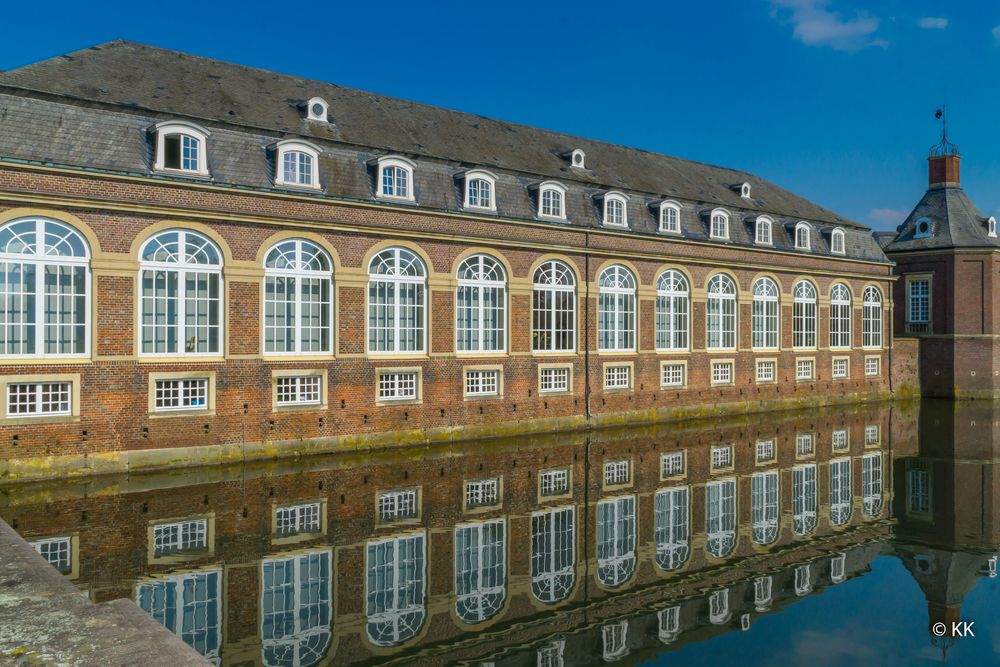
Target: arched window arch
x,y
552,200
397,313
838,245
296,608
44,289
840,316
480,570
764,325
395,589
802,241
762,230
181,147
553,308
614,638
804,315
480,190
764,506
721,313
840,491
762,593
720,517
615,209
181,293
616,309
553,554
718,607
672,311
298,298
991,227
670,217
615,540
669,621
395,178
803,579
871,320
804,499
297,164
719,227
672,531
481,312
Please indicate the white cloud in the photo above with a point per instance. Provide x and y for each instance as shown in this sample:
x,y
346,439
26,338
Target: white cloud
x,y
816,25
887,216
933,23
996,34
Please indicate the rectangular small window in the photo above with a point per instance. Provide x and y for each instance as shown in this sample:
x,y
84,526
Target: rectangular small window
x,y
672,375
296,519
180,537
839,440
482,383
617,377
804,369
766,371
672,465
554,482
840,368
765,451
482,493
397,505
397,386
39,399
57,552
722,457
805,444
181,394
872,367
553,380
722,372
872,434
617,472
918,301
299,390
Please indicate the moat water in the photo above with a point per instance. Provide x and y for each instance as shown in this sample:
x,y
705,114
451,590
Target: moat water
x,y
836,537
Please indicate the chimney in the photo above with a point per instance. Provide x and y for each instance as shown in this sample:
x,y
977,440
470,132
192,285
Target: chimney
x,y
943,165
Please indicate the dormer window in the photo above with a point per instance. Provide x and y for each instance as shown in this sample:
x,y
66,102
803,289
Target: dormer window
x,y
480,187
395,178
719,228
762,230
615,209
991,227
670,217
297,164
837,242
552,200
180,147
317,109
802,236
922,229
577,159
745,190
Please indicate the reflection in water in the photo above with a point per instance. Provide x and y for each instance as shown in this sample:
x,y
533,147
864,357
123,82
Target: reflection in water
x,y
614,546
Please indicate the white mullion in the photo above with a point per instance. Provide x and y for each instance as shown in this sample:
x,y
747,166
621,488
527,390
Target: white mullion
x,y
297,316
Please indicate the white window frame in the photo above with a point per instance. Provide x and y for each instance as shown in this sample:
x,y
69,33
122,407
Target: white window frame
x,y
842,312
617,309
395,383
611,200
182,268
720,373
838,241
179,537
553,570
395,611
311,114
840,440
840,368
803,234
186,392
805,498
615,540
296,606
480,493
558,188
805,315
554,286
805,444
398,505
308,149
618,472
718,224
480,570
471,177
673,374
673,464
915,315
37,397
991,227
482,382
618,377
401,260
840,491
767,371
764,231
299,391
871,484
40,256
917,234
721,507
398,165
192,621
765,324
765,510
666,225
800,364
873,366
481,306
672,526
721,313
673,311
557,480
871,318
550,387
59,546
184,129
765,451
722,457
298,270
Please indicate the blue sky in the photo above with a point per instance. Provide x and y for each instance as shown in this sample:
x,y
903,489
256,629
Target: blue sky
x,y
833,99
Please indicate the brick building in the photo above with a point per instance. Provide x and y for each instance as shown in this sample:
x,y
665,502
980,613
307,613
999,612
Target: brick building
x,y
947,257
205,262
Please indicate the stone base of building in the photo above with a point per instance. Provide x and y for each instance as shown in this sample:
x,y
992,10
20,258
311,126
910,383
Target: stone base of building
x,y
959,367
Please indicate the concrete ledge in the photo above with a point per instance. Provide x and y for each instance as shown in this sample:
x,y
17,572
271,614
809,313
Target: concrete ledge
x,y
44,619
148,460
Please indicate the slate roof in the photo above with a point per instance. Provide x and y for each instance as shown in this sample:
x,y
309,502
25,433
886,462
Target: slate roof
x,y
93,109
955,223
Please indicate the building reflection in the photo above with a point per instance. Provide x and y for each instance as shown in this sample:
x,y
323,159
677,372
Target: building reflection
x,y
618,544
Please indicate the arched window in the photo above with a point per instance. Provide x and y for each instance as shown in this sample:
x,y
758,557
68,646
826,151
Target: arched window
x,y
669,621
297,164
670,217
764,326
397,313
295,608
720,517
721,324
189,605
871,483
762,593
395,589
553,308
718,607
840,316
803,580
615,210
615,540
180,147
616,309
553,554
804,499
480,187
672,533
991,227
763,231
764,506
840,491
837,564
804,315
44,290
672,308
802,236
395,178
719,228
181,282
481,312
871,321
480,570
298,294
837,244
551,201
614,638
